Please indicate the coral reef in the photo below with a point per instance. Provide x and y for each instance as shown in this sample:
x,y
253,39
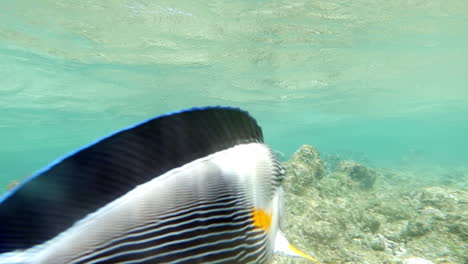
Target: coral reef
x,y
304,169
357,214
359,173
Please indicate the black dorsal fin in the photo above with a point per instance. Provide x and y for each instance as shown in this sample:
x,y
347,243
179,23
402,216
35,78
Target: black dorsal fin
x,y
70,188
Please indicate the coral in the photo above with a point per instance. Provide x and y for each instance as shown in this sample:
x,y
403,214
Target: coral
x,y
305,168
418,228
358,214
359,173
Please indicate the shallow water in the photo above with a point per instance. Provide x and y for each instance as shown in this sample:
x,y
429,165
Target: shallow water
x,y
381,81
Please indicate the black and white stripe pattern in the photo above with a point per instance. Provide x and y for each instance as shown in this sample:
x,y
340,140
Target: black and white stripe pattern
x,y
221,232
201,212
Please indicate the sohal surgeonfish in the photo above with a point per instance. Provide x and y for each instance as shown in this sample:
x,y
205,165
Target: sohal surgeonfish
x,y
195,186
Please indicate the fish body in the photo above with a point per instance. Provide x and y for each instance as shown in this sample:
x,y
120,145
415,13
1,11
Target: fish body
x,y
196,186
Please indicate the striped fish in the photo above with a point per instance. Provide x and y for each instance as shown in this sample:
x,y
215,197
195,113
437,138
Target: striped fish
x,y
196,186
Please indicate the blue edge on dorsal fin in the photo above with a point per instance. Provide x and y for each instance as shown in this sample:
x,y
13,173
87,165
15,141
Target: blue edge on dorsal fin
x,y
41,207
70,154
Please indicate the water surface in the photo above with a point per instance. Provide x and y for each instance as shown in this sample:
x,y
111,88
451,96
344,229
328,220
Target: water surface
x,y
382,80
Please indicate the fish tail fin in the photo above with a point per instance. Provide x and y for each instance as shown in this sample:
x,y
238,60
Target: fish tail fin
x,y
282,246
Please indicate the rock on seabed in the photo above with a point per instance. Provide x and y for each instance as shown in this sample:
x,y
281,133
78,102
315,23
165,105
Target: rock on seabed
x,y
305,168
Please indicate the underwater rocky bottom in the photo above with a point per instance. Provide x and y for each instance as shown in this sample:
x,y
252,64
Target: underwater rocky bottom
x,y
341,211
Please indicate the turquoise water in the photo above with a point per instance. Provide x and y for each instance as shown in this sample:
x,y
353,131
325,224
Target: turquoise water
x,y
384,81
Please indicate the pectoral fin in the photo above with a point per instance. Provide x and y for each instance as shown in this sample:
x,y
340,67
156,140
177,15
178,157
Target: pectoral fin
x,y
282,246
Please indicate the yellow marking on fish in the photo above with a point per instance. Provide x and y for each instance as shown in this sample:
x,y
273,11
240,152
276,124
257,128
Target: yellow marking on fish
x,y
302,254
261,219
